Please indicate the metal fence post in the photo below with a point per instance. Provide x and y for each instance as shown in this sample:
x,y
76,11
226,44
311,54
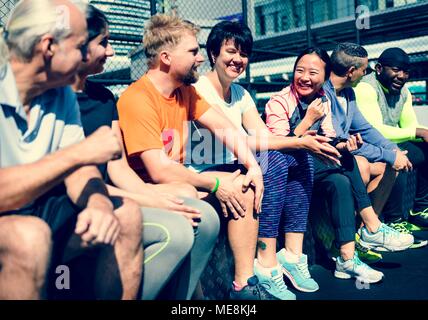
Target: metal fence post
x,y
357,31
426,91
308,22
153,10
245,21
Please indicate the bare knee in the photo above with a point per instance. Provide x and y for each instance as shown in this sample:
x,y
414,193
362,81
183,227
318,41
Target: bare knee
x,y
248,195
130,219
364,167
28,238
378,168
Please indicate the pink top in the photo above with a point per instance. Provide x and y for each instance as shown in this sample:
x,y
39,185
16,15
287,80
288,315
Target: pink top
x,y
281,107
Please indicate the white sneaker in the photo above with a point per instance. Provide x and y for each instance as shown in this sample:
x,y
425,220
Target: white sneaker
x,y
355,268
386,239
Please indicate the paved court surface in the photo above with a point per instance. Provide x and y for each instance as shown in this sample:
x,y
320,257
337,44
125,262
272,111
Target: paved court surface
x,y
406,278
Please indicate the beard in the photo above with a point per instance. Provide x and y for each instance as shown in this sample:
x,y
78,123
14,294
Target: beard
x,y
387,83
190,77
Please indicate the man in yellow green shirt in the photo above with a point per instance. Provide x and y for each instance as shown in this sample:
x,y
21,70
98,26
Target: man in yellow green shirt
x,y
386,102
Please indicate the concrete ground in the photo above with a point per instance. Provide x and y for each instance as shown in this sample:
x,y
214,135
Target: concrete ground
x,y
406,278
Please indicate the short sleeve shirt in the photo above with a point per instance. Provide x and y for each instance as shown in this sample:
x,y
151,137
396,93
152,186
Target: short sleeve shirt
x,y
54,122
97,108
240,102
148,120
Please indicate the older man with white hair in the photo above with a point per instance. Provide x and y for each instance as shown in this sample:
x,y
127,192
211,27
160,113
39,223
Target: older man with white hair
x,y
43,150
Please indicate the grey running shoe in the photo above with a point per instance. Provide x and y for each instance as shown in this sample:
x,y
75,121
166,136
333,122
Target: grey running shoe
x,y
355,268
385,239
407,227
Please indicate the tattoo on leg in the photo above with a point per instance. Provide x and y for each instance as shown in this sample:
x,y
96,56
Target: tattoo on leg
x,y
261,245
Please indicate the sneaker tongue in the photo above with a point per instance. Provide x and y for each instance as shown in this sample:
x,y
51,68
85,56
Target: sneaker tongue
x,y
303,258
274,273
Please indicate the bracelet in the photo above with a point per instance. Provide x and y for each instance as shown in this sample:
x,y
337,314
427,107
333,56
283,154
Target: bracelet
x,y
217,184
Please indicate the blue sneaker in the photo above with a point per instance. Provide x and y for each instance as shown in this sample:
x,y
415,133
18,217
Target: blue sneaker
x,y
273,282
298,273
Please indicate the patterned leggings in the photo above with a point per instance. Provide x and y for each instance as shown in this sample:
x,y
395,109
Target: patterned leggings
x,y
288,180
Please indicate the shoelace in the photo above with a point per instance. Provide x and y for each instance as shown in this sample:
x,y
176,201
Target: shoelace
x,y
358,262
390,231
400,227
303,269
424,213
278,280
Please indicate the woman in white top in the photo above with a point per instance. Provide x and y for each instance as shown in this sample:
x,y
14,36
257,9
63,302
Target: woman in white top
x,y
288,177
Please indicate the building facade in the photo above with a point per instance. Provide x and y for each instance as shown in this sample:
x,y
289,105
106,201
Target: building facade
x,y
281,33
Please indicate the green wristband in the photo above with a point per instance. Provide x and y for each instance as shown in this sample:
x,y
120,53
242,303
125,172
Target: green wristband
x,y
217,184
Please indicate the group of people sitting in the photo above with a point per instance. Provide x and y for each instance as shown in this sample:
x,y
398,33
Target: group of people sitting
x,y
137,185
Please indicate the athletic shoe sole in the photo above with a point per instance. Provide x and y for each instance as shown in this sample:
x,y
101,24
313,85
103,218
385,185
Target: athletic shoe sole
x,y
290,277
419,244
344,275
384,248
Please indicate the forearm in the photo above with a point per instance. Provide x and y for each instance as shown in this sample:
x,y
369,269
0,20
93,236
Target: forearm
x,y
123,177
86,188
237,143
369,134
302,127
175,172
397,134
264,142
231,137
144,200
23,184
374,153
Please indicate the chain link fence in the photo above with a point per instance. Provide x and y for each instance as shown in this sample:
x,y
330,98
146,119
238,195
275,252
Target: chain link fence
x,y
281,29
5,7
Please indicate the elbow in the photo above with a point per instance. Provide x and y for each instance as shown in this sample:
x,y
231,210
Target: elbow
x,y
115,168
157,178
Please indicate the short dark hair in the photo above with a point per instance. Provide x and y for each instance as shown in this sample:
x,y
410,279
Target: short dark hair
x,y
97,22
229,30
322,54
346,55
